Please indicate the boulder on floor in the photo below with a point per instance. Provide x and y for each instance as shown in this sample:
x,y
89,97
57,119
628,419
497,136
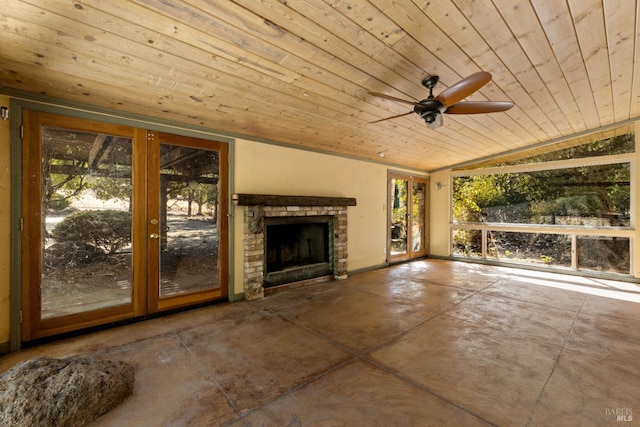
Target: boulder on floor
x,y
62,392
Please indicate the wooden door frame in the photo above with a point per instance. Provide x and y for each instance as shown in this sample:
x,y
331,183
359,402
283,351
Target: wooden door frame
x,y
24,327
155,303
410,253
31,236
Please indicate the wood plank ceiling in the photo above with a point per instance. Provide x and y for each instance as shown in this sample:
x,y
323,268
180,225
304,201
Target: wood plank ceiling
x,y
298,72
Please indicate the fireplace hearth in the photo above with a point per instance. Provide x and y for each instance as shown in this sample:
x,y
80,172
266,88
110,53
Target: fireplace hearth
x,y
291,239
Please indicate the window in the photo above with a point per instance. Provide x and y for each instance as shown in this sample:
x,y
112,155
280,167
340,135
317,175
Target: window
x,y
569,208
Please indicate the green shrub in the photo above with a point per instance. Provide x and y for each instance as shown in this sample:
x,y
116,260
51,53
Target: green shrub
x,y
108,230
71,254
58,203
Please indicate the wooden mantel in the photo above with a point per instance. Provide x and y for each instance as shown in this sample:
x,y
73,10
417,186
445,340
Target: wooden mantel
x,y
277,200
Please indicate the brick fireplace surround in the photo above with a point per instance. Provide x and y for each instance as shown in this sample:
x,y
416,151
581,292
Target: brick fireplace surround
x,y
260,206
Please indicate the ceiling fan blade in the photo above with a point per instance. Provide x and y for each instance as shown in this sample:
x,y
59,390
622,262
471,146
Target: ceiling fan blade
x,y
479,107
393,98
392,117
463,88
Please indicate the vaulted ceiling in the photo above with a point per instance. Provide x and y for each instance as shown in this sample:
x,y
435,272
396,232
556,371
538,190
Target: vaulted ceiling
x,y
298,72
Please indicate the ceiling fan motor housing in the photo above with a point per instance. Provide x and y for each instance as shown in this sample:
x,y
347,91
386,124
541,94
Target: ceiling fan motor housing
x,y
429,109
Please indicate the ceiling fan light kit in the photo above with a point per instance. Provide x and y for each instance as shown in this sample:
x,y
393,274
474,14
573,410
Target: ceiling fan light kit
x,y
432,108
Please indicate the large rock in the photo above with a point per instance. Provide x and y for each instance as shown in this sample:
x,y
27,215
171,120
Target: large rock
x,y
62,392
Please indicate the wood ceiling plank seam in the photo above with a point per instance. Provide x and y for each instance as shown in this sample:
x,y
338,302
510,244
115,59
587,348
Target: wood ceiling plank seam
x,y
517,114
349,103
283,89
58,89
267,84
446,140
287,18
621,38
336,23
312,117
588,21
371,19
422,134
100,94
467,133
528,31
408,20
555,18
386,54
237,47
491,27
635,91
146,107
528,113
55,38
95,68
464,34
479,122
418,31
36,53
416,127
111,22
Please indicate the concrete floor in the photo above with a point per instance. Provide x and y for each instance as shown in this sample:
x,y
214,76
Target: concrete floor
x,y
430,342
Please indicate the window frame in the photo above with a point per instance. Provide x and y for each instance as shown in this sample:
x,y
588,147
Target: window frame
x,y
572,231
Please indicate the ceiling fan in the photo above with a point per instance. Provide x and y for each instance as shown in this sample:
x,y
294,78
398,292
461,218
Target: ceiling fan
x,y
432,108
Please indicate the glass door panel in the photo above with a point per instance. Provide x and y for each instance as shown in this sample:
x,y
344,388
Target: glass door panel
x,y
187,220
77,224
399,216
85,221
408,232
418,217
189,235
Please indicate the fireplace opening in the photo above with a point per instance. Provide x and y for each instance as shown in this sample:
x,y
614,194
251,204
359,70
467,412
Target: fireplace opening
x,y
297,248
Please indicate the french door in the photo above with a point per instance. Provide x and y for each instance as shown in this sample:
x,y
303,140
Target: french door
x,y
118,223
408,231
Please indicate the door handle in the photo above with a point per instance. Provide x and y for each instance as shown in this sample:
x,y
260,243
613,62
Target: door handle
x,y
154,236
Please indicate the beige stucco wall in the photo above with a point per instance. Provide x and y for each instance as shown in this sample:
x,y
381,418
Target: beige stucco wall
x,y
270,169
5,218
439,214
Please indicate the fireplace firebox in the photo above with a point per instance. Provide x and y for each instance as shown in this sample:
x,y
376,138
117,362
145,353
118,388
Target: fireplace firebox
x,y
312,242
297,248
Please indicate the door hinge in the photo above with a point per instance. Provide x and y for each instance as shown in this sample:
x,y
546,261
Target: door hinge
x,y
21,224
21,317
21,132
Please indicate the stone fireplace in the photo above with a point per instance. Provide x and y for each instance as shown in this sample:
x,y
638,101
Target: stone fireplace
x,y
289,239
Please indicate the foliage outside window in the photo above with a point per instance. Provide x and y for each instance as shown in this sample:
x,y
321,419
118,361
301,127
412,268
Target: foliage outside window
x,y
597,196
621,144
566,201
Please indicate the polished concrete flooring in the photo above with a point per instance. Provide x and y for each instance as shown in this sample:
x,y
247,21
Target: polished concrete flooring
x,y
430,342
